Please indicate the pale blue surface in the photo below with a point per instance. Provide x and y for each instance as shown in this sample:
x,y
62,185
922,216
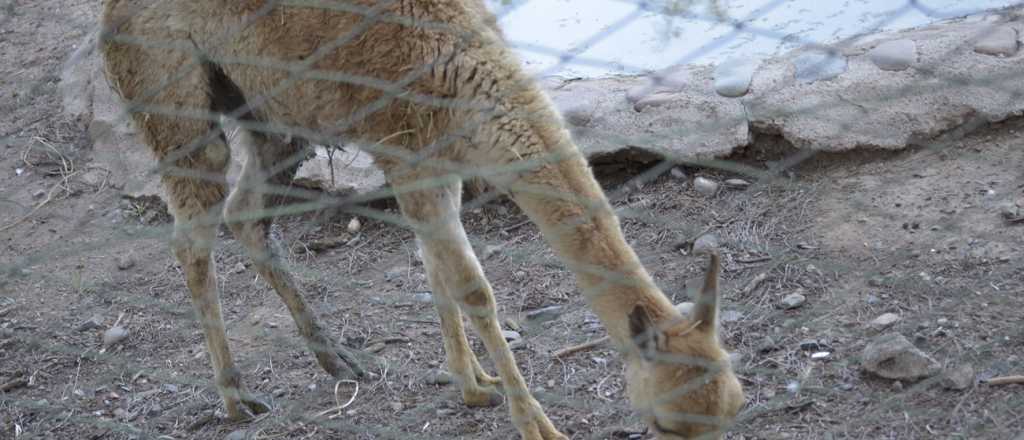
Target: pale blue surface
x,y
619,36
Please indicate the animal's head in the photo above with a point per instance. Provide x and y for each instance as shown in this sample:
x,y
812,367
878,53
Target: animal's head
x,y
678,374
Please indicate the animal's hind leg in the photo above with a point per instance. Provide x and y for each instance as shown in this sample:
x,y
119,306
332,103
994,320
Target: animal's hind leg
x,y
269,167
193,157
455,271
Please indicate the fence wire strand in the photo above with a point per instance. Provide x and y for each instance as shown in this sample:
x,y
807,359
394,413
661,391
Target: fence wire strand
x,y
781,383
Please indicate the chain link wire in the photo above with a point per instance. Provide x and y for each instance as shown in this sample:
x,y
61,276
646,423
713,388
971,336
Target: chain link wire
x,y
302,414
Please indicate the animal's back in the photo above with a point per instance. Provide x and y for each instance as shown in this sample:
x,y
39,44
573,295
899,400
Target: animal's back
x,y
311,69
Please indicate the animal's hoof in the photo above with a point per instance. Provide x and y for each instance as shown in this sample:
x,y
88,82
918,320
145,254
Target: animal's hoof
x,y
255,405
482,397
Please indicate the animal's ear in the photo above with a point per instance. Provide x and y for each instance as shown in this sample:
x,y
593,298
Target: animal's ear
x,y
647,336
705,311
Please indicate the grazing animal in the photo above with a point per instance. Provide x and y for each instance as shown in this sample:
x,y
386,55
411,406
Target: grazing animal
x,y
431,91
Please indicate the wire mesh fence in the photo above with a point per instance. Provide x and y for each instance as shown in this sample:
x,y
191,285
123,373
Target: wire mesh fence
x,y
100,339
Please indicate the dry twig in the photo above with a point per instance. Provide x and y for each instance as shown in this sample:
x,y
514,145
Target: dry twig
x,y
1006,380
579,347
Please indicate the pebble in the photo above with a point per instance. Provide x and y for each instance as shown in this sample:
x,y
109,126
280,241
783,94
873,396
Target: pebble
x,y
731,315
820,355
38,194
998,41
238,434
793,300
705,243
354,225
813,345
677,173
395,273
511,335
544,314
239,268
894,55
705,186
815,66
872,300
125,262
736,183
423,297
491,250
892,356
958,378
885,320
114,335
1011,211
438,377
733,76
684,308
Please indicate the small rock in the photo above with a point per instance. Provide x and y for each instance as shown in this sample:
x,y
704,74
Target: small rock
x,y
731,315
885,320
958,378
395,273
114,335
705,186
544,314
892,356
511,335
793,300
705,243
38,194
820,355
170,388
736,183
238,434
732,77
239,268
677,173
894,55
684,308
872,300
125,262
491,250
998,41
354,225
1011,211
812,345
815,66
438,377
93,323
423,297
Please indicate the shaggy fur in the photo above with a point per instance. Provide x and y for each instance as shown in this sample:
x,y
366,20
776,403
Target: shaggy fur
x,y
431,91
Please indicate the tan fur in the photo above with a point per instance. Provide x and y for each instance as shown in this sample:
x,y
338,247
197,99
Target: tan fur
x,y
429,88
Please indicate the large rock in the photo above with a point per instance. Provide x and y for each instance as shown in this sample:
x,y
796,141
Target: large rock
x,y
892,356
876,91
679,116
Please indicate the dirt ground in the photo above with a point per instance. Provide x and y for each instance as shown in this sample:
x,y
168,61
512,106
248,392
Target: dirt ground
x,y
917,233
